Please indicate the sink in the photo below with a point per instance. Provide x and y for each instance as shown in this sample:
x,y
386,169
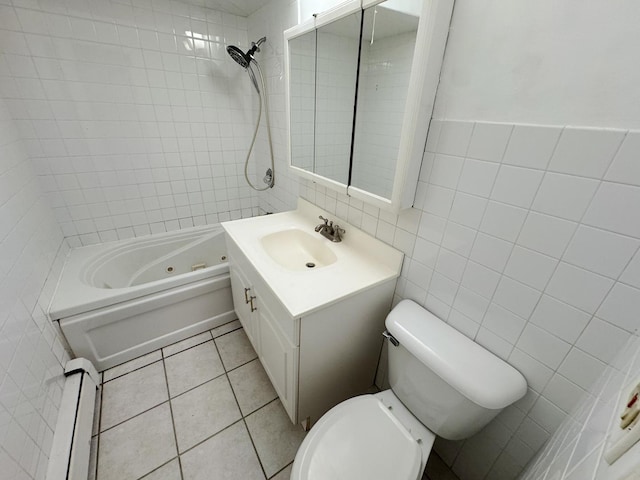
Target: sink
x,y
295,249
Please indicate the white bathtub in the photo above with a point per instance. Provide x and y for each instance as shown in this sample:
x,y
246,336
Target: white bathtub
x,y
120,300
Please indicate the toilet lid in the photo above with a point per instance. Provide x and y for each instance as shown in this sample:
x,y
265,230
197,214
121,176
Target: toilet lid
x,y
358,439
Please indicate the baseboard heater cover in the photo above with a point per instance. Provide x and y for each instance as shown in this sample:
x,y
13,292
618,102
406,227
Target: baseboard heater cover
x,y
71,449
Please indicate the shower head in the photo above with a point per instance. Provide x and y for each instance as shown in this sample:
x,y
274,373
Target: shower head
x,y
241,58
244,59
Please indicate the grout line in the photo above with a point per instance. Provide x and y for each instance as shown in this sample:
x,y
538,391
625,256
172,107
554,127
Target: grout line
x,y
243,417
281,470
159,467
173,422
134,370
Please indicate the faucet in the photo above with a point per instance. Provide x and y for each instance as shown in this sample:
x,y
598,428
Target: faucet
x,y
329,230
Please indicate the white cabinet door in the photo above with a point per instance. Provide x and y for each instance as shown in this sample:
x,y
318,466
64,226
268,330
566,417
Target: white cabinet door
x,y
279,358
242,292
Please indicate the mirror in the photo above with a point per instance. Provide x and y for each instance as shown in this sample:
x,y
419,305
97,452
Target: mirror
x,y
388,42
359,110
302,81
336,77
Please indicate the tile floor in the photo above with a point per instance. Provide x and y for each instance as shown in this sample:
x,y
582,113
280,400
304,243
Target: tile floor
x,y
203,409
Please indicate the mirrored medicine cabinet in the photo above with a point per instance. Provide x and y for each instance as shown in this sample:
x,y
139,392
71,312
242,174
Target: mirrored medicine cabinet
x,y
360,85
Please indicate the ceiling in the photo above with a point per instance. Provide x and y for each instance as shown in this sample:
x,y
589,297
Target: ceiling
x,y
243,8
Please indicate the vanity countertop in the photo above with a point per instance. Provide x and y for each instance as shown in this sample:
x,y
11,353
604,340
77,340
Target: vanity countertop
x,y
361,261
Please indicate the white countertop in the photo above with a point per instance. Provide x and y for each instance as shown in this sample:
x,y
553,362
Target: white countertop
x,y
362,260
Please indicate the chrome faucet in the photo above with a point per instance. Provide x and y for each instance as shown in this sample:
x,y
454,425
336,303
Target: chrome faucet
x,y
329,230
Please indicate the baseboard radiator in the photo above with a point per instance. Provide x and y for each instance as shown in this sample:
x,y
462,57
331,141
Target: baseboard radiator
x,y
69,458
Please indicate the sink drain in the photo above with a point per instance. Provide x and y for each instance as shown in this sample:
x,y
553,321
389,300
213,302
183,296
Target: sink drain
x,y
310,264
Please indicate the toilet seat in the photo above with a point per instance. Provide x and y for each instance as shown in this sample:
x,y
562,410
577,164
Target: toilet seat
x,y
359,439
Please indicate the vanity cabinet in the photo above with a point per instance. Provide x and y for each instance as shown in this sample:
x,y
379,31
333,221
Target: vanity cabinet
x,y
315,360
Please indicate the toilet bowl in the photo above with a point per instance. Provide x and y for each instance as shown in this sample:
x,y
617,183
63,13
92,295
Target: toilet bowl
x,y
442,383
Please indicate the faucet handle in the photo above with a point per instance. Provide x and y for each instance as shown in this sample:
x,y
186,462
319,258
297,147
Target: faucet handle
x,y
326,220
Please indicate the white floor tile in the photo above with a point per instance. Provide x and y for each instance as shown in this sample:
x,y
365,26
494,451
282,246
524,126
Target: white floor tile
x,y
138,446
132,365
203,412
252,386
227,456
265,426
226,328
235,349
132,394
193,367
284,474
169,471
186,344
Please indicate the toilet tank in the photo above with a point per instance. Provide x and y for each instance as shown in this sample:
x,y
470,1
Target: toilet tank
x,y
450,383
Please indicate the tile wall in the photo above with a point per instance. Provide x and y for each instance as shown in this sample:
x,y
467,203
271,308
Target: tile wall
x,y
575,451
31,351
137,119
525,239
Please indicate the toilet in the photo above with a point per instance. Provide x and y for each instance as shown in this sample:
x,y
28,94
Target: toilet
x,y
442,383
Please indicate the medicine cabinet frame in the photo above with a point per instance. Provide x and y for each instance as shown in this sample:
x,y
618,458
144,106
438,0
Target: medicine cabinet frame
x,y
433,28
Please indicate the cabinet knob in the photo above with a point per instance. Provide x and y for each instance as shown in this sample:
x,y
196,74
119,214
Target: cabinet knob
x,y
251,299
246,298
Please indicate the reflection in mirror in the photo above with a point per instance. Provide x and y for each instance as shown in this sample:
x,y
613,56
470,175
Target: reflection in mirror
x,y
302,72
388,42
337,67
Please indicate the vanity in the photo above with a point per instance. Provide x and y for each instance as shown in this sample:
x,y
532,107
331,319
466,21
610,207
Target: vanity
x,y
312,308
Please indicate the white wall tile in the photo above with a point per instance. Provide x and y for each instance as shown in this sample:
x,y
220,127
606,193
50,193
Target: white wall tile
x,y
488,141
503,221
531,145
625,167
585,152
581,368
454,138
580,288
600,251
516,185
561,319
535,234
565,196
631,274
516,297
477,177
622,307
491,252
543,346
529,267
610,207
602,340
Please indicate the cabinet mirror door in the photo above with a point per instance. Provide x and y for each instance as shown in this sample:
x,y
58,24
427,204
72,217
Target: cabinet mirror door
x,y
302,87
336,77
388,42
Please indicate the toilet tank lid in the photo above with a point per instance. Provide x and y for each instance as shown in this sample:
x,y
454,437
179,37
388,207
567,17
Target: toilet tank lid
x,y
472,370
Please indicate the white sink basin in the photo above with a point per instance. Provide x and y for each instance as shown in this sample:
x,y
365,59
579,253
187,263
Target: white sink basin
x,y
296,250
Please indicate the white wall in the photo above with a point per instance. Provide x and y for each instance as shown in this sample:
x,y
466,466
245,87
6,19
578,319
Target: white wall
x,y
31,353
136,117
547,62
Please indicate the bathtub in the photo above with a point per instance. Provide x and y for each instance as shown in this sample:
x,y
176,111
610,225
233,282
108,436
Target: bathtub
x,y
120,300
